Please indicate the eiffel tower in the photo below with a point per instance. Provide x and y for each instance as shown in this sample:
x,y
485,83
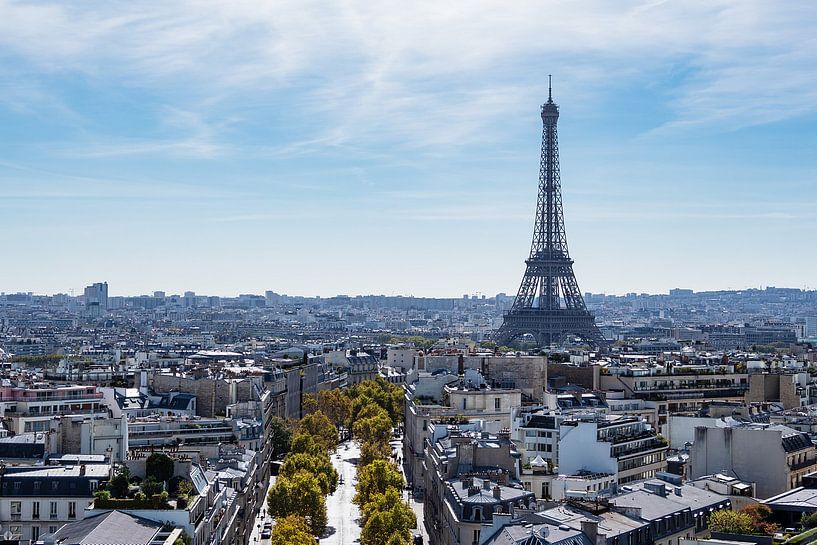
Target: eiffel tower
x,y
549,305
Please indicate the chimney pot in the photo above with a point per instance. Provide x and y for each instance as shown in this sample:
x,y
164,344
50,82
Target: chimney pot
x,y
497,492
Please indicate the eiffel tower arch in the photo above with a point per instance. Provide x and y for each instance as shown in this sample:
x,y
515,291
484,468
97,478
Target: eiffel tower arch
x,y
549,305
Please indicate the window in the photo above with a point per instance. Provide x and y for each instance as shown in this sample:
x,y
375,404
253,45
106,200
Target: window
x,y
16,531
52,529
16,510
94,486
35,510
72,509
497,403
35,533
53,511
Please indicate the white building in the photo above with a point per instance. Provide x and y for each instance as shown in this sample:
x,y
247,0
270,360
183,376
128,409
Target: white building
x,y
624,446
38,500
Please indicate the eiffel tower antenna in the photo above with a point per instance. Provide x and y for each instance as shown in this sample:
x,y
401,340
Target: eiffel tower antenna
x,y
549,305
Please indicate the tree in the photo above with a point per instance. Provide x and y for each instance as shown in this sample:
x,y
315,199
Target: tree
x,y
299,495
761,518
280,435
375,429
320,428
303,442
809,520
731,522
376,478
383,502
369,452
119,484
291,530
335,404
151,486
382,525
379,392
397,539
318,465
159,466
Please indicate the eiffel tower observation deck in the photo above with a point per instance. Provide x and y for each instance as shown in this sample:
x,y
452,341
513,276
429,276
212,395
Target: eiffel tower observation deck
x,y
549,306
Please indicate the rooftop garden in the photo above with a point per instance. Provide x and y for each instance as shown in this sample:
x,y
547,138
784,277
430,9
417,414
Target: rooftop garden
x,y
158,490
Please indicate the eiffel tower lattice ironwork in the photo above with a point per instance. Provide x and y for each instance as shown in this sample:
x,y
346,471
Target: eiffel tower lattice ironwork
x,y
549,305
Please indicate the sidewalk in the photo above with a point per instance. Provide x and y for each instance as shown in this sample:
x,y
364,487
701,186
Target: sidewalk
x,y
260,519
416,505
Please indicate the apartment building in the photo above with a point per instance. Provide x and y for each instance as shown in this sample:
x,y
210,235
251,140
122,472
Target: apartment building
x,y
624,446
447,398
38,500
30,408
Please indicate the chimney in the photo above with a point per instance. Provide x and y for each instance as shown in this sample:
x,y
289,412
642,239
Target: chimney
x,y
82,469
486,484
677,490
497,492
461,365
590,528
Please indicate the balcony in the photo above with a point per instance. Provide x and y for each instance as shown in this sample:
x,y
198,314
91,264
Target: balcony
x,y
800,465
66,412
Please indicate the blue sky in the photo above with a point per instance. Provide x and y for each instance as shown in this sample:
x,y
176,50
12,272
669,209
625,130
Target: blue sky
x,y
364,147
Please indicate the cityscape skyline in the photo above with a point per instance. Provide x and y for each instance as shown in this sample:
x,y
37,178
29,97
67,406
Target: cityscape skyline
x,y
322,150
77,292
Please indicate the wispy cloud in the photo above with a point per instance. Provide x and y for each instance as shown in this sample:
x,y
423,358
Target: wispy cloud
x,y
430,75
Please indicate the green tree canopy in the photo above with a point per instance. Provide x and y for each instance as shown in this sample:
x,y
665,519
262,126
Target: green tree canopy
x,y
379,392
375,429
318,465
151,486
118,486
376,478
369,452
280,435
291,530
382,502
303,442
335,404
299,495
381,525
731,522
159,466
320,428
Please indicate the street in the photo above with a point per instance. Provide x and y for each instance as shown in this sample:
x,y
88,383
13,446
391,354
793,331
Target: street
x,y
260,519
343,526
342,514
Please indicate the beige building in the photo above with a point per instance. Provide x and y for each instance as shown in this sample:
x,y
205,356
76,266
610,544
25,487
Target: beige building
x,y
775,458
789,389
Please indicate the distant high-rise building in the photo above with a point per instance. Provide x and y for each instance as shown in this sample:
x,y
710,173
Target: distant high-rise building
x,y
189,299
681,292
811,326
96,299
